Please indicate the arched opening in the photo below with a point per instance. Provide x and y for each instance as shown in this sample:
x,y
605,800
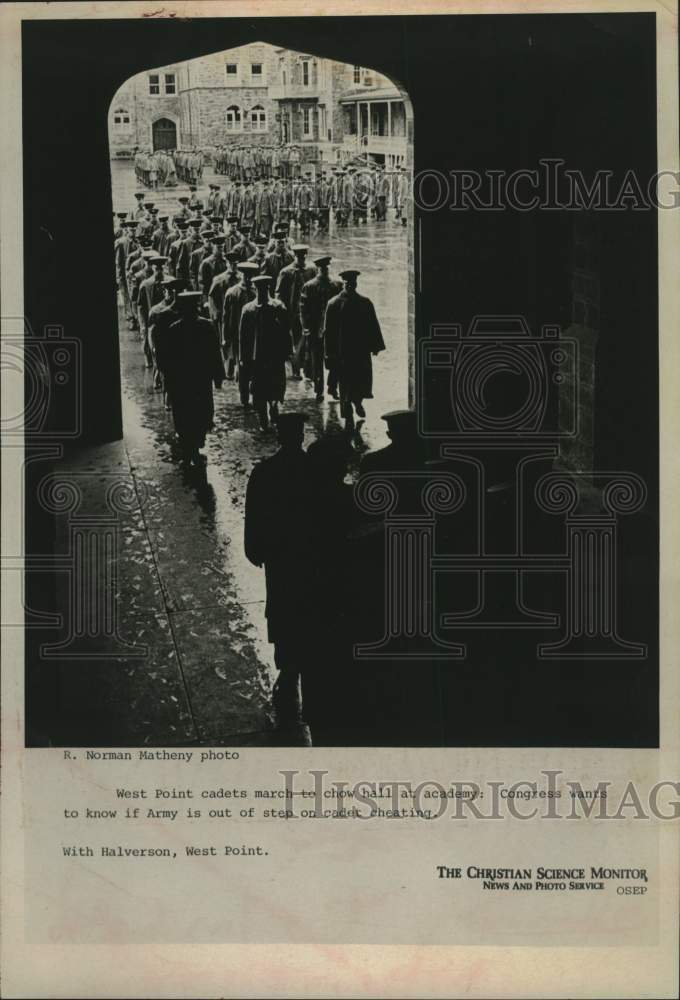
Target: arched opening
x,y
277,124
163,134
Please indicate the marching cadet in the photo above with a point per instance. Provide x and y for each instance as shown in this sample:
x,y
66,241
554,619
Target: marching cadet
x,y
383,193
235,299
304,204
278,535
288,290
187,246
124,245
264,348
324,200
181,228
192,364
146,223
233,236
278,257
212,265
261,252
234,200
150,294
248,206
161,318
244,247
212,197
138,212
352,335
345,194
265,209
201,252
139,271
314,298
400,194
194,203
118,226
220,285
183,212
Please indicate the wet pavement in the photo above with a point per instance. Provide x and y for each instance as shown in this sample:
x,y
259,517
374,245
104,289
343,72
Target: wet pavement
x,y
184,586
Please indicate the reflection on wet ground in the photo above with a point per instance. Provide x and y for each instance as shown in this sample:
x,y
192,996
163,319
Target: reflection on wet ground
x,y
185,588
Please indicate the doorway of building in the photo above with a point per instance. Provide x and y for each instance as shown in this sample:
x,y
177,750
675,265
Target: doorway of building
x,y
164,133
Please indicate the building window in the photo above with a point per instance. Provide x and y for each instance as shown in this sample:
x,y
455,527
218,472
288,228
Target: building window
x,y
256,74
306,75
258,119
232,73
154,84
234,121
170,83
121,117
357,74
306,123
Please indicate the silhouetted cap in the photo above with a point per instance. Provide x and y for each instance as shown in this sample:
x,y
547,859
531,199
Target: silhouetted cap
x,y
249,267
401,420
183,199
319,261
218,240
122,215
140,194
195,223
233,255
189,297
246,229
262,279
162,218
158,260
350,273
172,283
130,224
182,224
208,211
148,205
299,248
232,219
261,241
192,189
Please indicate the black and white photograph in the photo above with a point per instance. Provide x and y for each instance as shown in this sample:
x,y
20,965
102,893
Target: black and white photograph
x,y
341,373
339,367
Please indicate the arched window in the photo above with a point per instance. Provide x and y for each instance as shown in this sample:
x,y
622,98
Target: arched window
x,y
121,120
258,119
234,120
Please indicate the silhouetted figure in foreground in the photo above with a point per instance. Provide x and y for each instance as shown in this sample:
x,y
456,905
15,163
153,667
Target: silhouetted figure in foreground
x,y
280,535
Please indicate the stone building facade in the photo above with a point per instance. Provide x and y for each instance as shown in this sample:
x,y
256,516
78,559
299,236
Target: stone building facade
x,y
220,99
257,93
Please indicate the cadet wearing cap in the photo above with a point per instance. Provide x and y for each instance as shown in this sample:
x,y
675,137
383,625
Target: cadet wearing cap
x,y
192,364
218,289
212,265
352,335
161,318
315,296
264,347
288,290
235,299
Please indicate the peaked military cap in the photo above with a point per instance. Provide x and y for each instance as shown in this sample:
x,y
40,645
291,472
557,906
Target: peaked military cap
x,y
249,267
299,248
350,273
326,259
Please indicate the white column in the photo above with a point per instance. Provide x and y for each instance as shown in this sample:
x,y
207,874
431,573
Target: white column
x,y
389,119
